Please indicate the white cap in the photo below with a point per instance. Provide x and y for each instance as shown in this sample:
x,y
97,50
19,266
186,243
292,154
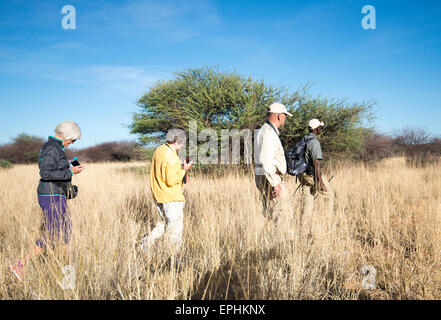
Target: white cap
x,y
278,108
315,123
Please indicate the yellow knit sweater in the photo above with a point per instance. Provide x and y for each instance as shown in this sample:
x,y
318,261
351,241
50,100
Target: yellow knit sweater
x,y
166,175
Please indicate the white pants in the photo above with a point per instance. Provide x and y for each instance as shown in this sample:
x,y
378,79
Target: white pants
x,y
173,229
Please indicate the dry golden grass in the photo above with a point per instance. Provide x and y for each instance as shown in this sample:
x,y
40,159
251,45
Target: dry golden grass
x,y
388,217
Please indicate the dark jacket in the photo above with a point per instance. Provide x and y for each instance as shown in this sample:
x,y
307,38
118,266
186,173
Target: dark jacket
x,y
55,172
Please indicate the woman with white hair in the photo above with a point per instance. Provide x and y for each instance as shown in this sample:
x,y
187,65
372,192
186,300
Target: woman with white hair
x,y
55,184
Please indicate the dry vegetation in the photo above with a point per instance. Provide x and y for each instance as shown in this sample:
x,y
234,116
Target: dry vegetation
x,y
388,216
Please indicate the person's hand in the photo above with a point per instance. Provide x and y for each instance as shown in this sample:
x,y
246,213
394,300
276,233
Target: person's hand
x,y
188,165
277,190
78,169
323,187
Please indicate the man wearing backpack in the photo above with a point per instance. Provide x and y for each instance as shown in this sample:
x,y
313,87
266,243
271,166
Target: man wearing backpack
x,y
270,164
313,182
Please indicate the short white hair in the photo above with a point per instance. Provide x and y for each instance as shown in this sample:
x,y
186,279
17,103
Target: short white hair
x,y
68,130
175,135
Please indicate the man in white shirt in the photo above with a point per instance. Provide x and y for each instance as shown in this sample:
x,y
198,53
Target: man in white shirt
x,y
270,164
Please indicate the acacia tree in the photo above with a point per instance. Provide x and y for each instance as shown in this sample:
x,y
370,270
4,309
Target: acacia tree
x,y
225,100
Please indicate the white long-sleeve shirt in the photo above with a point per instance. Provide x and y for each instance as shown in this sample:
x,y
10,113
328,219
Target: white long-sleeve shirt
x,y
269,154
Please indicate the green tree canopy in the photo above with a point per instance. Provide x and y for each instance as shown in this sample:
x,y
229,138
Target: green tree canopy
x,y
226,100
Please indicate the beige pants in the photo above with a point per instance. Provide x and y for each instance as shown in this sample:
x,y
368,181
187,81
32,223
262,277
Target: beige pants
x,y
172,229
273,208
310,190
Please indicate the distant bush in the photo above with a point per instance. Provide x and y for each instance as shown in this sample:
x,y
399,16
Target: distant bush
x,y
23,149
421,155
412,136
5,164
418,146
144,153
108,151
377,146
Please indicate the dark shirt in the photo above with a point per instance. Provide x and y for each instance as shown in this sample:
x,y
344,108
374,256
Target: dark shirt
x,y
313,150
54,167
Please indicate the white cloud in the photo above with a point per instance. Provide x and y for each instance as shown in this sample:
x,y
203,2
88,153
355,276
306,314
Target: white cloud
x,y
167,20
127,79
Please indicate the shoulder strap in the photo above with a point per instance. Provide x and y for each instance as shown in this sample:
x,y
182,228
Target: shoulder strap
x,y
272,126
169,147
308,139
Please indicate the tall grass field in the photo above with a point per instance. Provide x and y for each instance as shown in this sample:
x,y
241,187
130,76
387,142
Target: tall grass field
x,y
387,220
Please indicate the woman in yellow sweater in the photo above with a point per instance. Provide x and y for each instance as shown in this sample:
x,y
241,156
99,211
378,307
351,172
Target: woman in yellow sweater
x,y
166,182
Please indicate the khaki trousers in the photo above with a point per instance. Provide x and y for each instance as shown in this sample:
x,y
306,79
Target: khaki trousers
x,y
273,208
172,229
310,189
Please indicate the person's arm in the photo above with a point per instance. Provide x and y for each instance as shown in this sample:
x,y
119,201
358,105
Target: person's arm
x,y
267,160
49,166
173,173
318,175
316,156
77,169
269,168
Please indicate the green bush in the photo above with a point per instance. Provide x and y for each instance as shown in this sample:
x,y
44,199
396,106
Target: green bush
x,y
23,149
5,164
144,153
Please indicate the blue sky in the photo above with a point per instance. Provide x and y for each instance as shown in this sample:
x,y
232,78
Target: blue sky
x,y
94,75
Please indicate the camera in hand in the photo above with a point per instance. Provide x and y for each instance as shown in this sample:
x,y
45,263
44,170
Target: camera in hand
x,y
75,162
185,176
72,191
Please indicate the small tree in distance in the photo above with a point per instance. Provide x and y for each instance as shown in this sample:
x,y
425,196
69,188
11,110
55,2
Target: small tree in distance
x,y
412,136
419,146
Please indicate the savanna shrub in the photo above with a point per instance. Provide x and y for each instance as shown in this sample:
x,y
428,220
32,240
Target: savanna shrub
x,y
5,164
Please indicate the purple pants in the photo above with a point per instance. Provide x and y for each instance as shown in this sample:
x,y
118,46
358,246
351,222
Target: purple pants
x,y
57,224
